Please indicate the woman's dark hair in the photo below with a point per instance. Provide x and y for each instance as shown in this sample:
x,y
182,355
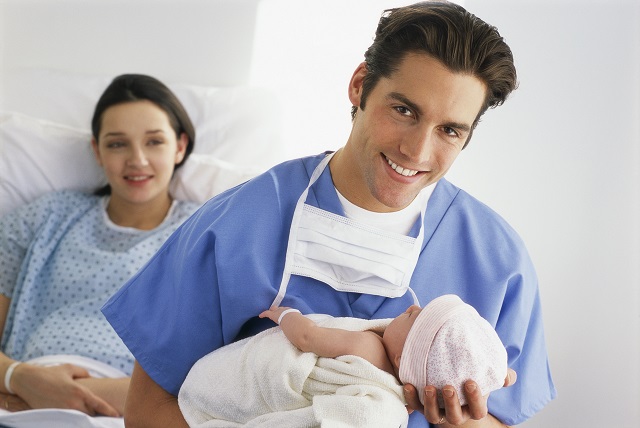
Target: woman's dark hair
x,y
128,88
447,32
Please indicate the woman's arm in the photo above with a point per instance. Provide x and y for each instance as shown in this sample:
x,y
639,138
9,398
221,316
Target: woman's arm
x,y
149,405
50,387
330,342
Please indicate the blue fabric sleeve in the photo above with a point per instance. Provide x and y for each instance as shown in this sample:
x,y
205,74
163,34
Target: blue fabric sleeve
x,y
527,354
474,253
172,306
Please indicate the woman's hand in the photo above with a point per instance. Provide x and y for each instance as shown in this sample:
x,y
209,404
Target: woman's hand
x,y
453,413
12,403
58,387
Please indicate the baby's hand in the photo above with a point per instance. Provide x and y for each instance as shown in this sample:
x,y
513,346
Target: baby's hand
x,y
274,313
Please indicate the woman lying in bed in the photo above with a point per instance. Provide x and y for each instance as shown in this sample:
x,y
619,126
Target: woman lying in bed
x,y
63,255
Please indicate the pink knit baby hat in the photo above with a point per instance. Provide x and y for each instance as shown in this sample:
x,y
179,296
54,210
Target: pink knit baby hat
x,y
450,343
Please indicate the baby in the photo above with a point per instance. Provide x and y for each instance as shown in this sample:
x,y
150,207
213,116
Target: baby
x,y
446,343
342,371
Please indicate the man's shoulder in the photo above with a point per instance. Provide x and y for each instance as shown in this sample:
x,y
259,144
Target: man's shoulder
x,y
281,181
476,215
465,202
301,168
267,198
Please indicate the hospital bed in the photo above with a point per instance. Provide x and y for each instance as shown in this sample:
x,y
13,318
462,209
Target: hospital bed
x,y
58,55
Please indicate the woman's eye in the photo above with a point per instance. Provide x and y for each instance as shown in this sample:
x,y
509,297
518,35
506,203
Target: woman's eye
x,y
115,144
155,142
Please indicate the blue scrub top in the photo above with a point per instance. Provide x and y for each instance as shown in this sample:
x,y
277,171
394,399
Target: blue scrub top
x,y
223,266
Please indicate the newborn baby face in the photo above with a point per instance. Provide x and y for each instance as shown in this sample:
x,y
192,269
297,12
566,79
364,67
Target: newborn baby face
x,y
396,334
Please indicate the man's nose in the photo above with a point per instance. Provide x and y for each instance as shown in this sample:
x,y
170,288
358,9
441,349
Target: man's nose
x,y
418,147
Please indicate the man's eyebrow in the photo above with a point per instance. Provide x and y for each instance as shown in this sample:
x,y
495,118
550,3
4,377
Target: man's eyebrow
x,y
460,126
404,100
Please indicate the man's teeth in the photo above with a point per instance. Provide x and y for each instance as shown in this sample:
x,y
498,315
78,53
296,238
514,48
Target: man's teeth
x,y
400,170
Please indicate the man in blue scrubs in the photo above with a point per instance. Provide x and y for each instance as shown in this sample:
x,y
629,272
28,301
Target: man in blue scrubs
x,y
366,232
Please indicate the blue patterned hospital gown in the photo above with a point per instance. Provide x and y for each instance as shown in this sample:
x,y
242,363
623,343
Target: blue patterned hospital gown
x,y
60,260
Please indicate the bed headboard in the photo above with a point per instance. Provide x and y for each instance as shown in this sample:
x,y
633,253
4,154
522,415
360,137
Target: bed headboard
x,y
59,55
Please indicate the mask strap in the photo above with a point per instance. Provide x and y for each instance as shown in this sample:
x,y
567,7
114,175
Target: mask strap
x,y
415,297
417,249
297,213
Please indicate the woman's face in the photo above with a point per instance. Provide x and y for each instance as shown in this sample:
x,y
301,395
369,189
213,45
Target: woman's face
x,y
138,150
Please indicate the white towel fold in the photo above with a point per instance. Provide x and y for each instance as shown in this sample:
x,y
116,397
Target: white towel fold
x,y
265,381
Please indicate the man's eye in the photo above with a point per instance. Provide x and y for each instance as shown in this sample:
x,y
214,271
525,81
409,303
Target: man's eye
x,y
450,131
404,111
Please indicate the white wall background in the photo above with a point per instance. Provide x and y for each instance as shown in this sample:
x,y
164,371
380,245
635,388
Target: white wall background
x,y
205,42
560,160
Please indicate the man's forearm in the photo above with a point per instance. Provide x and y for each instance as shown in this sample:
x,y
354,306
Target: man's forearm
x,y
164,415
150,406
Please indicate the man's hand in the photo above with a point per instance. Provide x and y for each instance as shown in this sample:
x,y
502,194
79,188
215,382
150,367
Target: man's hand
x,y
453,413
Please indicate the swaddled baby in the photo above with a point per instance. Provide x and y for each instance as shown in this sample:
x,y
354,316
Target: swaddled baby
x,y
446,343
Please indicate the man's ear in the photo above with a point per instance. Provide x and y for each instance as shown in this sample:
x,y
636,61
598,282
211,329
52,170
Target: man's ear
x,y
355,84
96,151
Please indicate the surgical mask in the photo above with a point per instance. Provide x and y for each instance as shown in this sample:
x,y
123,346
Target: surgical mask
x,y
346,254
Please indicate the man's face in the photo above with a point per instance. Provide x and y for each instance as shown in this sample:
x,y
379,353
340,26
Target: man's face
x,y
413,127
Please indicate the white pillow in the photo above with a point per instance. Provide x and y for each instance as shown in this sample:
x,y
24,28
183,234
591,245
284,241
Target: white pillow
x,y
202,177
39,156
241,124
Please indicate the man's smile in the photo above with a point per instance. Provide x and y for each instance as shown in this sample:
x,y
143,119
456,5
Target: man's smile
x,y
400,170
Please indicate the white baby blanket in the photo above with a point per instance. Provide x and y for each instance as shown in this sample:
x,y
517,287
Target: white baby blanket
x,y
265,381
